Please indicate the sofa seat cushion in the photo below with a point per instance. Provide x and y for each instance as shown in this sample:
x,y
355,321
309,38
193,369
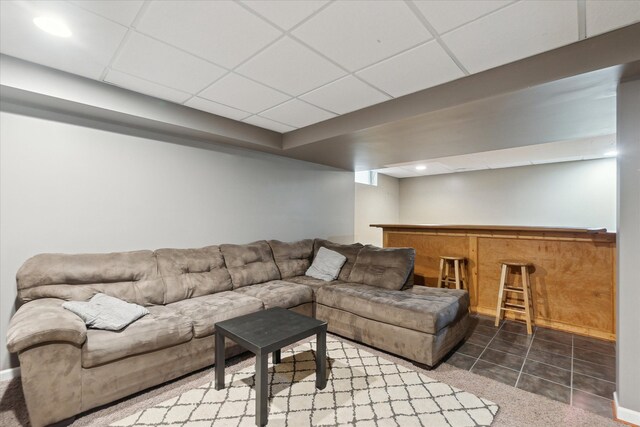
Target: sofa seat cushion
x,y
312,282
427,311
279,293
161,328
205,311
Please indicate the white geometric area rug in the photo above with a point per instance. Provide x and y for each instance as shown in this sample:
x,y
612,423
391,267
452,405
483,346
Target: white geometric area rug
x,y
362,390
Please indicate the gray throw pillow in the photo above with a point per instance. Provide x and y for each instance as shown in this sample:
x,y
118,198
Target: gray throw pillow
x,y
106,312
326,265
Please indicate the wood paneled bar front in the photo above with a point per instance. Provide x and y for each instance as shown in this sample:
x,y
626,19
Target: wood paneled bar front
x,y
572,281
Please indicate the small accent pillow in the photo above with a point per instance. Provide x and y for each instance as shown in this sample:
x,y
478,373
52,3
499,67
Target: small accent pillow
x,y
326,265
106,312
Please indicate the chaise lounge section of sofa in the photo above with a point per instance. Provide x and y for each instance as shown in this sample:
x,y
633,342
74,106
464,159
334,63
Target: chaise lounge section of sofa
x,y
68,369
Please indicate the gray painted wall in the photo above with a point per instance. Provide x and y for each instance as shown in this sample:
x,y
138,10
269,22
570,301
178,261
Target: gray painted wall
x,y
628,322
573,194
68,188
376,205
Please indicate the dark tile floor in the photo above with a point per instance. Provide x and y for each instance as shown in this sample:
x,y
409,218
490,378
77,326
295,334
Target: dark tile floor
x,y
572,369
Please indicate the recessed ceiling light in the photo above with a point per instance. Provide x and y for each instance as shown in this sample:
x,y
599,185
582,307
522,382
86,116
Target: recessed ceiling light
x,y
52,25
611,153
420,167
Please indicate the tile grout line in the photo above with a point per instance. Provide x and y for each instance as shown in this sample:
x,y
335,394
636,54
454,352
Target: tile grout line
x,y
592,377
532,375
525,357
594,395
487,346
571,369
571,383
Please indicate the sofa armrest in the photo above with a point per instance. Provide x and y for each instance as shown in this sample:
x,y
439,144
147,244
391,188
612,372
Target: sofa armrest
x,y
42,321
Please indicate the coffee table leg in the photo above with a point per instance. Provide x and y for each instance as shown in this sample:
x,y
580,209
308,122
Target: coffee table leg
x,y
276,357
321,359
219,361
262,389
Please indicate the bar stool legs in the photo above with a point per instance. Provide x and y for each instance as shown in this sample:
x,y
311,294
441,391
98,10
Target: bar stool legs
x,y
459,278
525,290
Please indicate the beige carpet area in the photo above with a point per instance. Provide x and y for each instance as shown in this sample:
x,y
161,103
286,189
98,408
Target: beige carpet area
x,y
362,390
517,407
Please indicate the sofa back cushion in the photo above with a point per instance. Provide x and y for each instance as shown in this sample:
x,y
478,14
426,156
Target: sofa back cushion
x,y
349,251
191,273
292,258
389,268
250,264
130,276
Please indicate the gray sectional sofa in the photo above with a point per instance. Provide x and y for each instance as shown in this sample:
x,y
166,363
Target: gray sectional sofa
x,y
67,369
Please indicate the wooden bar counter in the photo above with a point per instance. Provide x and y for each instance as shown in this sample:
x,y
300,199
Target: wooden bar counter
x,y
572,282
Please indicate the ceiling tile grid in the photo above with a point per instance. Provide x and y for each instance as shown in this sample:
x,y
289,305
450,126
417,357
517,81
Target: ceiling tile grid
x,y
121,11
290,67
424,66
87,53
268,124
448,15
222,32
145,87
297,113
356,34
285,14
281,64
244,94
517,31
345,95
148,58
217,109
607,15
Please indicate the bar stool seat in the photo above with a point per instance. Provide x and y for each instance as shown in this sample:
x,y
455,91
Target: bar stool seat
x,y
526,307
459,278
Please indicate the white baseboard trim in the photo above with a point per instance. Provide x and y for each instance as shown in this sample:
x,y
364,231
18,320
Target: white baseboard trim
x,y
624,414
9,374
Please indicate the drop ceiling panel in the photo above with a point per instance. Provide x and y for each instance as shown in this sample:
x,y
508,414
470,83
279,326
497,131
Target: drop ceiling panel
x,y
419,68
396,172
559,160
603,16
87,52
290,67
517,31
121,11
551,152
161,63
356,36
241,93
221,31
285,13
432,168
268,124
505,164
447,15
297,113
345,95
143,86
217,109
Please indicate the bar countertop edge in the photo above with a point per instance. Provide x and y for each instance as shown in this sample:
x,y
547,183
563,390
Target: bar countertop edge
x,y
503,228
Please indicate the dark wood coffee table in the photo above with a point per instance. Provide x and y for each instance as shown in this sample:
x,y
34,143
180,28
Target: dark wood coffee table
x,y
265,332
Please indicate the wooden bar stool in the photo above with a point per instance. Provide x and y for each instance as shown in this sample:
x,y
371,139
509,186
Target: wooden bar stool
x,y
459,278
524,290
